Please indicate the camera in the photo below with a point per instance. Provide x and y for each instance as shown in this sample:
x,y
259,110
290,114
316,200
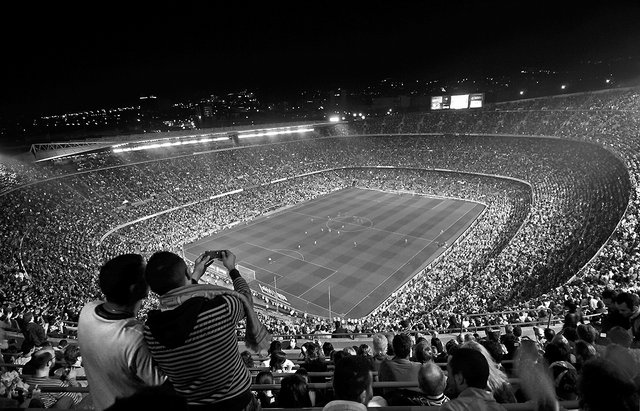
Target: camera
x,y
215,254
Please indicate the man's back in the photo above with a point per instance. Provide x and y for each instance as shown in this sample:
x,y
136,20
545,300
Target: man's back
x,y
473,399
195,344
115,357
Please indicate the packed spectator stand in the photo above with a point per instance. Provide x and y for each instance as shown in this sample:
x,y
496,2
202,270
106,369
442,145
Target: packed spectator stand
x,y
553,203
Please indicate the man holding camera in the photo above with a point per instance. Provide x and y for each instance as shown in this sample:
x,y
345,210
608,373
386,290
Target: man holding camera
x,y
192,336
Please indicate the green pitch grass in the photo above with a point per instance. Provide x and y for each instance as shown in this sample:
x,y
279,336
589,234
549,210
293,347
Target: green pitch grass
x,y
358,245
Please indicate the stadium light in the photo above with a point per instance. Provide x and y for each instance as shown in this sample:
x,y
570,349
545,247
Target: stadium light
x,y
521,92
275,133
563,86
334,119
608,81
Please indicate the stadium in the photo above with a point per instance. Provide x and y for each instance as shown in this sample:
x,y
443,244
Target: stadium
x,y
537,205
466,249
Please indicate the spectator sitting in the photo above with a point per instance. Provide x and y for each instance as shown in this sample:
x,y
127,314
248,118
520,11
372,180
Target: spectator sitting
x,y
280,363
116,359
565,378
432,382
422,352
400,368
42,362
498,382
193,334
72,360
327,349
379,350
469,371
340,331
294,392
352,385
266,397
59,349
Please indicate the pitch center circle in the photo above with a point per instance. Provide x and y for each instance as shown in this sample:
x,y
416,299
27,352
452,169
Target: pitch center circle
x,y
349,224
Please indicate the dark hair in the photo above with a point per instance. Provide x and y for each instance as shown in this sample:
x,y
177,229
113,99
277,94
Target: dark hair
x,y
71,354
38,361
277,360
556,352
602,387
565,378
630,299
423,352
517,331
338,355
247,358
264,377
587,332
352,376
549,333
494,349
472,365
119,274
402,345
165,271
327,348
294,392
431,379
275,345
609,294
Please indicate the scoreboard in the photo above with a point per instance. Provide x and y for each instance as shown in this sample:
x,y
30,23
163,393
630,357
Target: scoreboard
x,y
457,102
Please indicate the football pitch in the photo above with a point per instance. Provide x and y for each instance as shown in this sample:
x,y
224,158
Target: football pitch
x,y
346,251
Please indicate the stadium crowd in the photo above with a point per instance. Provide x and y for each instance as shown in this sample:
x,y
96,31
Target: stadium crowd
x,y
518,256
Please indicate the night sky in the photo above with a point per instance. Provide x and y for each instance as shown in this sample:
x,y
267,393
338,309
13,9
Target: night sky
x,y
70,57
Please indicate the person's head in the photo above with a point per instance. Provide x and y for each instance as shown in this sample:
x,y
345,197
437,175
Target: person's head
x,y
276,345
549,334
71,354
431,379
603,387
63,343
264,377
303,373
402,346
622,358
42,361
165,272
247,358
556,352
122,281
584,352
494,349
627,304
349,350
620,336
422,352
277,360
565,378
380,344
517,331
28,317
352,379
364,349
468,368
327,349
294,392
587,332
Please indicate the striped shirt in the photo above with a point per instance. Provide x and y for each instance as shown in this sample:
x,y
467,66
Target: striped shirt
x,y
195,345
50,398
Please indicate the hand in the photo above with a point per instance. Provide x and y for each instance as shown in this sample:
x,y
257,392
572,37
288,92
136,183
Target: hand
x,y
200,266
229,260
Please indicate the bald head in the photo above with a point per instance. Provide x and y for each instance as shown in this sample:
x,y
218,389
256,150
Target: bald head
x,y
431,379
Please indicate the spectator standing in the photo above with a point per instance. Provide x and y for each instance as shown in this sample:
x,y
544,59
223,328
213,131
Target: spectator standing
x,y
115,357
193,334
628,305
34,334
612,318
